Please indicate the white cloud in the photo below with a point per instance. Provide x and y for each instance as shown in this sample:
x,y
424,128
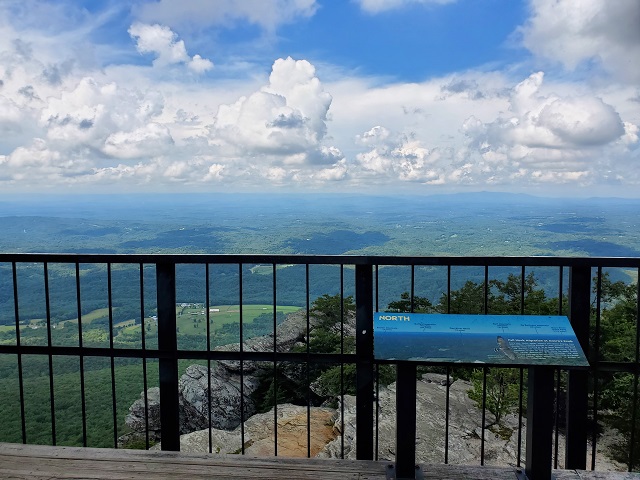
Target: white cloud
x,y
161,41
199,64
268,14
100,116
397,157
549,121
576,31
70,118
147,141
284,120
377,6
338,171
545,137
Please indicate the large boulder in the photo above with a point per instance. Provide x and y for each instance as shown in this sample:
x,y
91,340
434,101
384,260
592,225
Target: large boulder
x,y
225,377
259,434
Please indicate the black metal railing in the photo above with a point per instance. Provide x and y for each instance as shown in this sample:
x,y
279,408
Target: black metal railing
x,y
574,280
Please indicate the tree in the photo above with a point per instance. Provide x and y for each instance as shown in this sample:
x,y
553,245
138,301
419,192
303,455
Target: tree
x,y
328,308
420,304
502,390
468,299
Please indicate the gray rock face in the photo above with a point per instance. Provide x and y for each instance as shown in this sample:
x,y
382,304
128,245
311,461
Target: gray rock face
x,y
259,434
136,421
329,429
225,398
464,419
465,429
225,380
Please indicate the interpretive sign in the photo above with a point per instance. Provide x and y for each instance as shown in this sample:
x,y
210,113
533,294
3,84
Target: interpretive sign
x,y
508,339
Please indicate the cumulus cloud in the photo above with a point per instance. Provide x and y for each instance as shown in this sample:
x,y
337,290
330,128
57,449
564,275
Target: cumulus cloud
x,y
285,119
100,116
548,137
147,141
162,42
575,31
268,14
377,6
397,157
38,163
550,121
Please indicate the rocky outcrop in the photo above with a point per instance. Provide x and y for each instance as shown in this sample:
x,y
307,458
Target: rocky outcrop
x,y
135,420
465,420
259,434
465,429
224,379
329,429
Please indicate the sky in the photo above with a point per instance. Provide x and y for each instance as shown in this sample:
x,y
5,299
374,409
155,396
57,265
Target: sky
x,y
352,96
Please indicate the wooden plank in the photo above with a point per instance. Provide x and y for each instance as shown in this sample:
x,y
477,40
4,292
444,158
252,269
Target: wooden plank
x,y
22,462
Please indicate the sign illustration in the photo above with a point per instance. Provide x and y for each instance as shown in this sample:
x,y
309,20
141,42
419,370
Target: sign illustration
x,y
508,339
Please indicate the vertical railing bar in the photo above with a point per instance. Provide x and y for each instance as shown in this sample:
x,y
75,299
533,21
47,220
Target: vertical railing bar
x,y
341,362
577,390
484,412
275,364
240,291
168,369
446,417
520,415
308,361
521,373
560,290
484,369
449,288
596,364
208,320
80,343
52,404
556,432
522,289
447,413
634,408
112,359
376,440
144,360
638,317
634,413
486,290
16,308
377,290
413,287
557,421
364,361
377,378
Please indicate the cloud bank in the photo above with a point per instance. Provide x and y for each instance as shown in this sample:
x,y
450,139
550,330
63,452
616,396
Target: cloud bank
x,y
161,118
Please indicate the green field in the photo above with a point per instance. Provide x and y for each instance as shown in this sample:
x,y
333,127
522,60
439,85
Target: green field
x,y
191,327
190,320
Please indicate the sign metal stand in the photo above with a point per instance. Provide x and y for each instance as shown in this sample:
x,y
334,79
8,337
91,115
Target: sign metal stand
x,y
537,342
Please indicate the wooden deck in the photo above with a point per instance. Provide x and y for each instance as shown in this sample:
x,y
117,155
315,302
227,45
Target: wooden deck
x,y
22,462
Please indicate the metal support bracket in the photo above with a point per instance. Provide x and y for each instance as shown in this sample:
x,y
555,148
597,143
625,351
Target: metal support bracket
x,y
390,471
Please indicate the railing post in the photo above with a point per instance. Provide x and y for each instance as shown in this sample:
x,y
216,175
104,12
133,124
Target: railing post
x,y
406,421
168,346
364,362
578,381
539,423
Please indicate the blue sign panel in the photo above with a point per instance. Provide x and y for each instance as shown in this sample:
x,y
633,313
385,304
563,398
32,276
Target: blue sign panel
x,y
508,339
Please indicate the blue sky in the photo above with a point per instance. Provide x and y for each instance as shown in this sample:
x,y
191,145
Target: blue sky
x,y
373,96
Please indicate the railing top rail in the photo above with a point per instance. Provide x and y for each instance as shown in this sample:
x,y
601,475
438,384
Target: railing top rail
x,y
498,261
